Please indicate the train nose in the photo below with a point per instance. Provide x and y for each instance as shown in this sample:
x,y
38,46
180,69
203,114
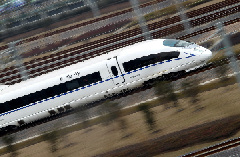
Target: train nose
x,y
204,53
207,53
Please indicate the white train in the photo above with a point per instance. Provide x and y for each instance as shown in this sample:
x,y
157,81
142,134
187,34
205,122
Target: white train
x,y
96,78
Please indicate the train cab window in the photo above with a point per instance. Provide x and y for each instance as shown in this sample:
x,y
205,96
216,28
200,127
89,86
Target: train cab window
x,y
170,42
182,43
114,70
175,43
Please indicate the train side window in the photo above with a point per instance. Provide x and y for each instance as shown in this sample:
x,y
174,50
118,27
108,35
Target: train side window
x,y
80,81
150,59
62,88
12,104
86,80
89,79
166,56
97,76
114,70
37,96
128,66
58,89
72,84
44,94
50,92
134,64
33,97
94,77
2,108
19,103
7,106
146,60
30,98
55,90
25,100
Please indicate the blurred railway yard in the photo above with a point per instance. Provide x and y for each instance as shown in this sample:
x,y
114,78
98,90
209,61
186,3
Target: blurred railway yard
x,y
199,116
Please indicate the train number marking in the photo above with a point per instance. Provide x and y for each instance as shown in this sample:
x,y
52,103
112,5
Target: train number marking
x,y
69,76
135,76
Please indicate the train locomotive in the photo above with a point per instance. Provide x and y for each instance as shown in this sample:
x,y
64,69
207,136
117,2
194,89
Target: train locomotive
x,y
94,79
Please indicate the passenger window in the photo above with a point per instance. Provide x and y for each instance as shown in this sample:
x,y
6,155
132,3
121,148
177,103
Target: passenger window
x,y
89,79
50,92
72,85
19,103
25,100
35,97
13,104
61,88
114,70
150,59
2,108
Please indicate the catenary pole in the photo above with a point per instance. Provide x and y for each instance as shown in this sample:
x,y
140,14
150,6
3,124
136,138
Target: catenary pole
x,y
229,52
141,19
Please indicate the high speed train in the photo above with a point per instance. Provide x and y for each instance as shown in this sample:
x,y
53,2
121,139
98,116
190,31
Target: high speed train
x,y
95,79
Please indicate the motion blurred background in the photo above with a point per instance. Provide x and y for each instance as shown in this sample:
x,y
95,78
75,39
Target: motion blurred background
x,y
170,117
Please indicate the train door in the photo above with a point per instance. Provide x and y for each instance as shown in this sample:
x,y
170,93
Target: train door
x,y
115,71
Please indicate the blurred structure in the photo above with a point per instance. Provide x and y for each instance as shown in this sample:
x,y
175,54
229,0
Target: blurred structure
x,y
141,20
110,112
148,116
9,140
52,139
229,52
19,62
183,16
166,90
191,91
94,7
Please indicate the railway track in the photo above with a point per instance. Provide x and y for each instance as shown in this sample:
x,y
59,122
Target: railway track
x,y
215,148
73,55
58,31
